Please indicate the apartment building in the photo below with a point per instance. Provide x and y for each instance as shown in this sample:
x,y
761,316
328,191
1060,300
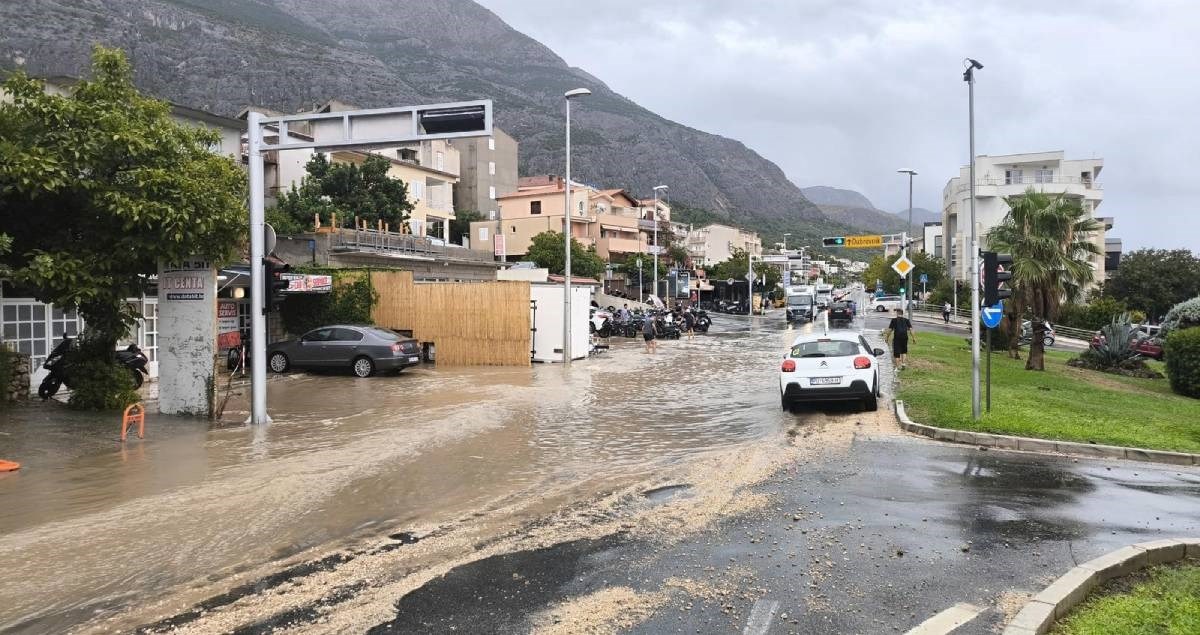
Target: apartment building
x,y
489,171
931,239
1000,177
715,243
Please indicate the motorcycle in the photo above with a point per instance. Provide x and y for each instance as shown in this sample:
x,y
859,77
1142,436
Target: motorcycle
x,y
702,321
601,323
132,358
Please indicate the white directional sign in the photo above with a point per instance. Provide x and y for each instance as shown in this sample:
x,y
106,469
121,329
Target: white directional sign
x,y
902,266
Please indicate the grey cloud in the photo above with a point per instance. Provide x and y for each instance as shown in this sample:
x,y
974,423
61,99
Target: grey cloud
x,y
844,92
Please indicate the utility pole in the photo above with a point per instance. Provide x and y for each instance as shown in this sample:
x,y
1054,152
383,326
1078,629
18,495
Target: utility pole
x,y
567,232
908,239
969,77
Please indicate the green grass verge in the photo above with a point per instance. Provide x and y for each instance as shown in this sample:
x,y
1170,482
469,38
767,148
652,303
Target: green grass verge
x,y
1065,403
1166,601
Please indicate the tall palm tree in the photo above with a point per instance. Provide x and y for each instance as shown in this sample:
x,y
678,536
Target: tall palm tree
x,y
1050,238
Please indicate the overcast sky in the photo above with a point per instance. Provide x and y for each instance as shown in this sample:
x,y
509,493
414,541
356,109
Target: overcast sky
x,y
844,92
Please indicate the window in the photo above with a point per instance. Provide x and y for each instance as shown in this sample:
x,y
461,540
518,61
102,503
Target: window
x,y
346,335
491,143
441,162
1043,176
492,168
826,348
418,190
1013,177
492,192
535,207
483,234
317,335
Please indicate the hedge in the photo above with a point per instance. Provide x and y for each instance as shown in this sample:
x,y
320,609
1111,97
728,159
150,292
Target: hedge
x,y
1183,361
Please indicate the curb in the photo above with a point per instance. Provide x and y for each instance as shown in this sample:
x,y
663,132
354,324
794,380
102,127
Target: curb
x,y
1067,592
1045,446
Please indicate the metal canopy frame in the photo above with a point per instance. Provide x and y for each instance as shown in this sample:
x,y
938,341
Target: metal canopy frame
x,y
405,119
380,127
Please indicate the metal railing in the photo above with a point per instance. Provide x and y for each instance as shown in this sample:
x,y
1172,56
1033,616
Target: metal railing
x,y
964,315
404,244
1033,179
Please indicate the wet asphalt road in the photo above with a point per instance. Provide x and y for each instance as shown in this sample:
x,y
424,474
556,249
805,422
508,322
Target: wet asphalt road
x,y
874,541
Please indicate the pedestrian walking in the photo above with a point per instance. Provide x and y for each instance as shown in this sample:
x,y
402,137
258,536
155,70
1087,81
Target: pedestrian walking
x,y
649,332
689,323
946,312
900,332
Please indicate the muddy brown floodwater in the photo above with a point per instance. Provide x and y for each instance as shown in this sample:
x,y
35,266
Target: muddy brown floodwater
x,y
91,532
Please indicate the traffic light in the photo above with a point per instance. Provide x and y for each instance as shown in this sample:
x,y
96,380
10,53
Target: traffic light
x,y
996,273
834,241
276,285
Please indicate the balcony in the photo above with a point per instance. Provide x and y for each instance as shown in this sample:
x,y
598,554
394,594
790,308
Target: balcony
x,y
606,246
1008,186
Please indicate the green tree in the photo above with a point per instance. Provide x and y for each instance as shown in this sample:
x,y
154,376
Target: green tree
x,y
1154,280
546,249
737,266
1050,239
880,268
461,225
349,190
98,186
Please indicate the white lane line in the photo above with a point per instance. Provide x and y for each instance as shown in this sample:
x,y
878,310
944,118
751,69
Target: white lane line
x,y
760,617
947,620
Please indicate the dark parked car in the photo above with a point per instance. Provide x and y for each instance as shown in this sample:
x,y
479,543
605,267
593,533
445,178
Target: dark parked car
x,y
841,313
361,349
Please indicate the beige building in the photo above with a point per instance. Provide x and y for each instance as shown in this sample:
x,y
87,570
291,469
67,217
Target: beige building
x,y
612,221
430,170
489,171
715,243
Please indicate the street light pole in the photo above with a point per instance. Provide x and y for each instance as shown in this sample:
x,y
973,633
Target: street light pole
x,y
655,213
969,77
258,274
909,286
578,92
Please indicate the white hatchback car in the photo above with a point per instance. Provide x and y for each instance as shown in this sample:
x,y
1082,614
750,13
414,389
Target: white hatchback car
x,y
835,366
887,303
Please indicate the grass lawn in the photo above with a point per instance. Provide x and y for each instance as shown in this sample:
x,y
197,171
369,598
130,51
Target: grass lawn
x,y
1064,403
1165,601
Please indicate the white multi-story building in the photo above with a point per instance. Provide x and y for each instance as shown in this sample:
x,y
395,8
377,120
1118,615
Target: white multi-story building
x,y
999,177
715,243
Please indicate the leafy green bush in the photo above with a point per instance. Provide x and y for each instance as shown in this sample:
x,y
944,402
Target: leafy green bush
x,y
349,303
1092,316
1184,315
99,384
1183,361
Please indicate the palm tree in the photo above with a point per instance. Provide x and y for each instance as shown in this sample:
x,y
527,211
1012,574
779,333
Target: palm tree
x,y
1050,238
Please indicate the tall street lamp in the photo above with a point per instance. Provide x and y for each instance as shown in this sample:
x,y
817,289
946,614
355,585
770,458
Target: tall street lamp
x,y
908,286
570,94
657,189
973,274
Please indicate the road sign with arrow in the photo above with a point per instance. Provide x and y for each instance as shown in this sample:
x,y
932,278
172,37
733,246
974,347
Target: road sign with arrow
x,y
991,315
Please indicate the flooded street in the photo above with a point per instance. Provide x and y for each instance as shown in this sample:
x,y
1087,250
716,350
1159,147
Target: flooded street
x,y
91,530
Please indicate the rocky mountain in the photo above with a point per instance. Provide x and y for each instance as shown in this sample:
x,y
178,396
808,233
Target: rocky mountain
x,y
221,55
826,195
864,219
920,216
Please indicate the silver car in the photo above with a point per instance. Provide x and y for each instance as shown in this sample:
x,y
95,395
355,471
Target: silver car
x,y
361,349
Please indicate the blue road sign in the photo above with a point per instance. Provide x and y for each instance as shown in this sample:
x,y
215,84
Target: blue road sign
x,y
991,315
924,278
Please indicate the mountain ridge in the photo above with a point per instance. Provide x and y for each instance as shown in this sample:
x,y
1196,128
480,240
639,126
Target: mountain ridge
x,y
221,55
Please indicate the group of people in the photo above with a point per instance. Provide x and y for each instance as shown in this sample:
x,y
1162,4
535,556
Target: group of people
x,y
650,324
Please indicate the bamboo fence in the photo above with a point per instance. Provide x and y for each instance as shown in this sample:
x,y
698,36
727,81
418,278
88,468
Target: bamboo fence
x,y
470,324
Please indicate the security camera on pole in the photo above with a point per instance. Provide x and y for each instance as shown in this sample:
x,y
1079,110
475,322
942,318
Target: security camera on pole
x,y
578,92
969,78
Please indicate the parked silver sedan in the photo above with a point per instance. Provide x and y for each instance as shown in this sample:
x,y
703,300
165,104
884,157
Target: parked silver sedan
x,y
361,349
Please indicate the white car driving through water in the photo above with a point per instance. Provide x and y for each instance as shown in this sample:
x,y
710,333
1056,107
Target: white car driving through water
x,y
838,365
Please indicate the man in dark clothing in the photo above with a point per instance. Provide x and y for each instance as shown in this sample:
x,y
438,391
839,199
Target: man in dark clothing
x,y
689,323
649,332
902,331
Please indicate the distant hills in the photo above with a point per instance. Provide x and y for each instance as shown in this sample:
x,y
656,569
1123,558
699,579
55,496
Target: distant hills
x,y
856,210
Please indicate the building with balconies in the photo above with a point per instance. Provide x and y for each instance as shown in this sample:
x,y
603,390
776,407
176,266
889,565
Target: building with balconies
x,y
999,177
715,243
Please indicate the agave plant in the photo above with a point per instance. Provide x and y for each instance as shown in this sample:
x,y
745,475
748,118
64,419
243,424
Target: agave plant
x,y
1115,348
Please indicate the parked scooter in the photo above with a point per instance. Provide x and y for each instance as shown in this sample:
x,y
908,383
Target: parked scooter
x,y
601,323
60,375
702,321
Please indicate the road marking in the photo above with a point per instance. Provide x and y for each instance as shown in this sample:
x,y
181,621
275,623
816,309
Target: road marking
x,y
947,620
760,617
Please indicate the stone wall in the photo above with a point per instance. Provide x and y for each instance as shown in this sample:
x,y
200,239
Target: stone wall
x,y
17,387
